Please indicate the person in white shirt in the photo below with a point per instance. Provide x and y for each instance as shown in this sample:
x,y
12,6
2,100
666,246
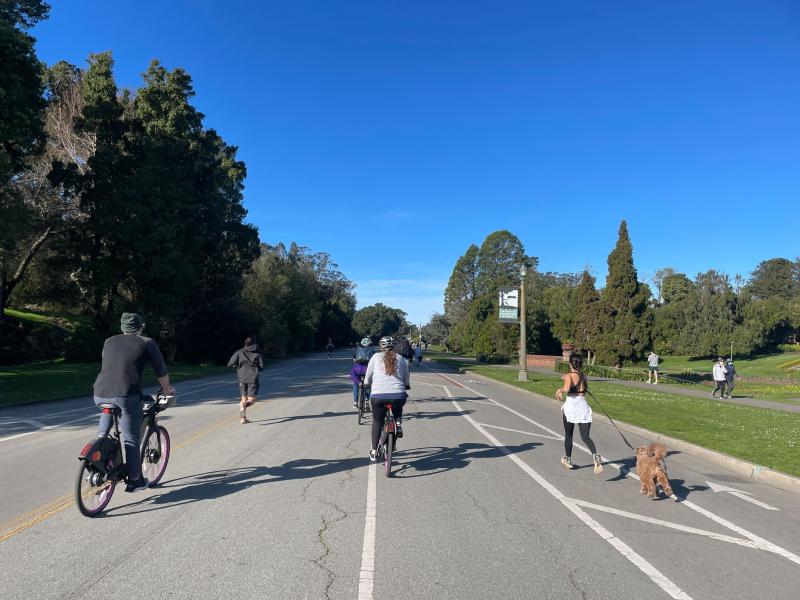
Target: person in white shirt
x,y
719,373
652,367
388,375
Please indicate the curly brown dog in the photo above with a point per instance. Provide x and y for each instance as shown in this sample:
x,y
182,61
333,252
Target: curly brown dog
x,y
651,469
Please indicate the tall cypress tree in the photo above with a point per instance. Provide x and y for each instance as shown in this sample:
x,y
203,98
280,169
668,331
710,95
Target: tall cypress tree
x,y
626,334
588,315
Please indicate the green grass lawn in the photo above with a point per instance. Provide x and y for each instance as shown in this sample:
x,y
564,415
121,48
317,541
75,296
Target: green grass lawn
x,y
760,366
766,437
38,382
43,320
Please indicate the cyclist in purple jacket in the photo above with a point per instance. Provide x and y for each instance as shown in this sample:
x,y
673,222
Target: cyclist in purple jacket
x,y
361,358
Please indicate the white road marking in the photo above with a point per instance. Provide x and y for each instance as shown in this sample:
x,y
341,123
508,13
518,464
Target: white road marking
x,y
549,437
761,542
11,421
366,578
640,562
718,487
49,427
623,513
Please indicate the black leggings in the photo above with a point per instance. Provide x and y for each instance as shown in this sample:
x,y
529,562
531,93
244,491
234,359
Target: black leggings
x,y
379,413
583,428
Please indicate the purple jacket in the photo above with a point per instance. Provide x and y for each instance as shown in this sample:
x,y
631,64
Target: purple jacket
x,y
357,373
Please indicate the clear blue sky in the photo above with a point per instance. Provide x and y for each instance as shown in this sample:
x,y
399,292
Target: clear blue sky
x,y
363,122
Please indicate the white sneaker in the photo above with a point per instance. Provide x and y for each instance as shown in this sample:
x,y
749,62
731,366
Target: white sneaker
x,y
373,455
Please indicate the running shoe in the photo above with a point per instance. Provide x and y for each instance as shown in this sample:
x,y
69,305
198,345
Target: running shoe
x,y
137,486
598,467
567,462
373,455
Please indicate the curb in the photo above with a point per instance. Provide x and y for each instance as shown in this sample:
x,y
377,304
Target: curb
x,y
741,467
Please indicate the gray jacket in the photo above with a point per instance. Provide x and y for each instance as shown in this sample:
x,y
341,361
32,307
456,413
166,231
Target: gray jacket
x,y
248,363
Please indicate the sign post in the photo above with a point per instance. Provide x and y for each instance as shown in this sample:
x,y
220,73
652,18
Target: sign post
x,y
523,342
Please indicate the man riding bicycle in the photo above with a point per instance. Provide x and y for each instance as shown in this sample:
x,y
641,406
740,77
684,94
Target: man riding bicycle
x,y
119,383
388,375
361,356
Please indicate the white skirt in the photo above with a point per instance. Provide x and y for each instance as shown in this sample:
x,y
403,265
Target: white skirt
x,y
577,410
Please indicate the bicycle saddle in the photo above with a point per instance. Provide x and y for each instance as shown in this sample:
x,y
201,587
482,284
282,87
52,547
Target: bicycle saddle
x,y
112,407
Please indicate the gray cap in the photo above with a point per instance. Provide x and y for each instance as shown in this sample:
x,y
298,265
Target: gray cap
x,y
130,322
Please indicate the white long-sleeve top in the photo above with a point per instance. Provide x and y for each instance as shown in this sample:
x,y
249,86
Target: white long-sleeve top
x,y
719,372
387,383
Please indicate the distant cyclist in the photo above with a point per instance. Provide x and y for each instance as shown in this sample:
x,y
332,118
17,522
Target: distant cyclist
x,y
361,356
329,347
418,354
388,375
119,383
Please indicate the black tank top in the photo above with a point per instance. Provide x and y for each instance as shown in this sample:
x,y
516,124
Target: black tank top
x,y
579,388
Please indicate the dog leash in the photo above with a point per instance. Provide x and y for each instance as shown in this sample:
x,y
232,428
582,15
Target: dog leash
x,y
624,439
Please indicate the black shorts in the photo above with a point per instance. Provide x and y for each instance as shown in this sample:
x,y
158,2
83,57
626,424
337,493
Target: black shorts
x,y
653,369
248,390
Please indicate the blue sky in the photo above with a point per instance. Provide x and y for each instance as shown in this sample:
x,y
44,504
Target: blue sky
x,y
394,134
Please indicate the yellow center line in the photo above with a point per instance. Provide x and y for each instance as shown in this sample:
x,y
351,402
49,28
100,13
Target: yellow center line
x,y
18,524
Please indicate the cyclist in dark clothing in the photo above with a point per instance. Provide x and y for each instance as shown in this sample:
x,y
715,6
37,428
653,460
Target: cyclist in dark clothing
x,y
119,383
248,364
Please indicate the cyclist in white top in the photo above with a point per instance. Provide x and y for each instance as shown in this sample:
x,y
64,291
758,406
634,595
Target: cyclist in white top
x,y
388,376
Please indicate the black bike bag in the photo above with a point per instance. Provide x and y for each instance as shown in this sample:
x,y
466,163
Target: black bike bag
x,y
99,453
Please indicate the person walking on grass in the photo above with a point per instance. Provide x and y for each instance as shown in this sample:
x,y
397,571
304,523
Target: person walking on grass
x,y
248,364
652,367
576,410
720,378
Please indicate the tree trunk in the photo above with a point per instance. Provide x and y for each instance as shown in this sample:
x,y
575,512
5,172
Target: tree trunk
x,y
8,285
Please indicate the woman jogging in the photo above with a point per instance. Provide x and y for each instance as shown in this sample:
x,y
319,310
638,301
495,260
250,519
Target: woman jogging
x,y
576,410
248,363
387,373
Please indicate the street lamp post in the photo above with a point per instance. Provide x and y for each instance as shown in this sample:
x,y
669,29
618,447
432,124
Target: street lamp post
x,y
523,345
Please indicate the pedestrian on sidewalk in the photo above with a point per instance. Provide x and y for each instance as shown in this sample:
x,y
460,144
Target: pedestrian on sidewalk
x,y
730,375
248,364
652,367
576,410
719,372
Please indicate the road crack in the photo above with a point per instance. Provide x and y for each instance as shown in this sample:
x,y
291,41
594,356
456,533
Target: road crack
x,y
321,560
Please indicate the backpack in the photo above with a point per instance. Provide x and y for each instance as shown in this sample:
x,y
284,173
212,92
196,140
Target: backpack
x,y
363,355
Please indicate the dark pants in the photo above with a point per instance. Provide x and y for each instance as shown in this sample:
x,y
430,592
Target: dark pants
x,y
356,387
569,429
720,386
729,383
379,413
130,423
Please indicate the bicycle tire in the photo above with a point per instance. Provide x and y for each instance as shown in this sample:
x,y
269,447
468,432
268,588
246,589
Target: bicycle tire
x,y
155,455
101,493
388,449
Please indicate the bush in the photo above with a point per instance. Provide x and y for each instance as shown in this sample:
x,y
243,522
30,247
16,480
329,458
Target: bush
x,y
85,344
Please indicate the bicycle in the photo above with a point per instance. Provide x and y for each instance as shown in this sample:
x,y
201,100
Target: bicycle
x,y
387,443
102,465
362,401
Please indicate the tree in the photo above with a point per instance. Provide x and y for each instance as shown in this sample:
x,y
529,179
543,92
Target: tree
x,y
378,320
588,316
500,258
627,334
460,291
21,127
775,278
437,330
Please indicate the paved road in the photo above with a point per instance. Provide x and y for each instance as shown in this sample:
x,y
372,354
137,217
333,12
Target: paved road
x,y
289,506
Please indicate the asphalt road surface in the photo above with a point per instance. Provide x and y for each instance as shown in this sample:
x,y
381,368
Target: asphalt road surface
x,y
290,507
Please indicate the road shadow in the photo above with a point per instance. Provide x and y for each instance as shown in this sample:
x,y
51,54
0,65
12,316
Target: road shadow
x,y
218,484
422,462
